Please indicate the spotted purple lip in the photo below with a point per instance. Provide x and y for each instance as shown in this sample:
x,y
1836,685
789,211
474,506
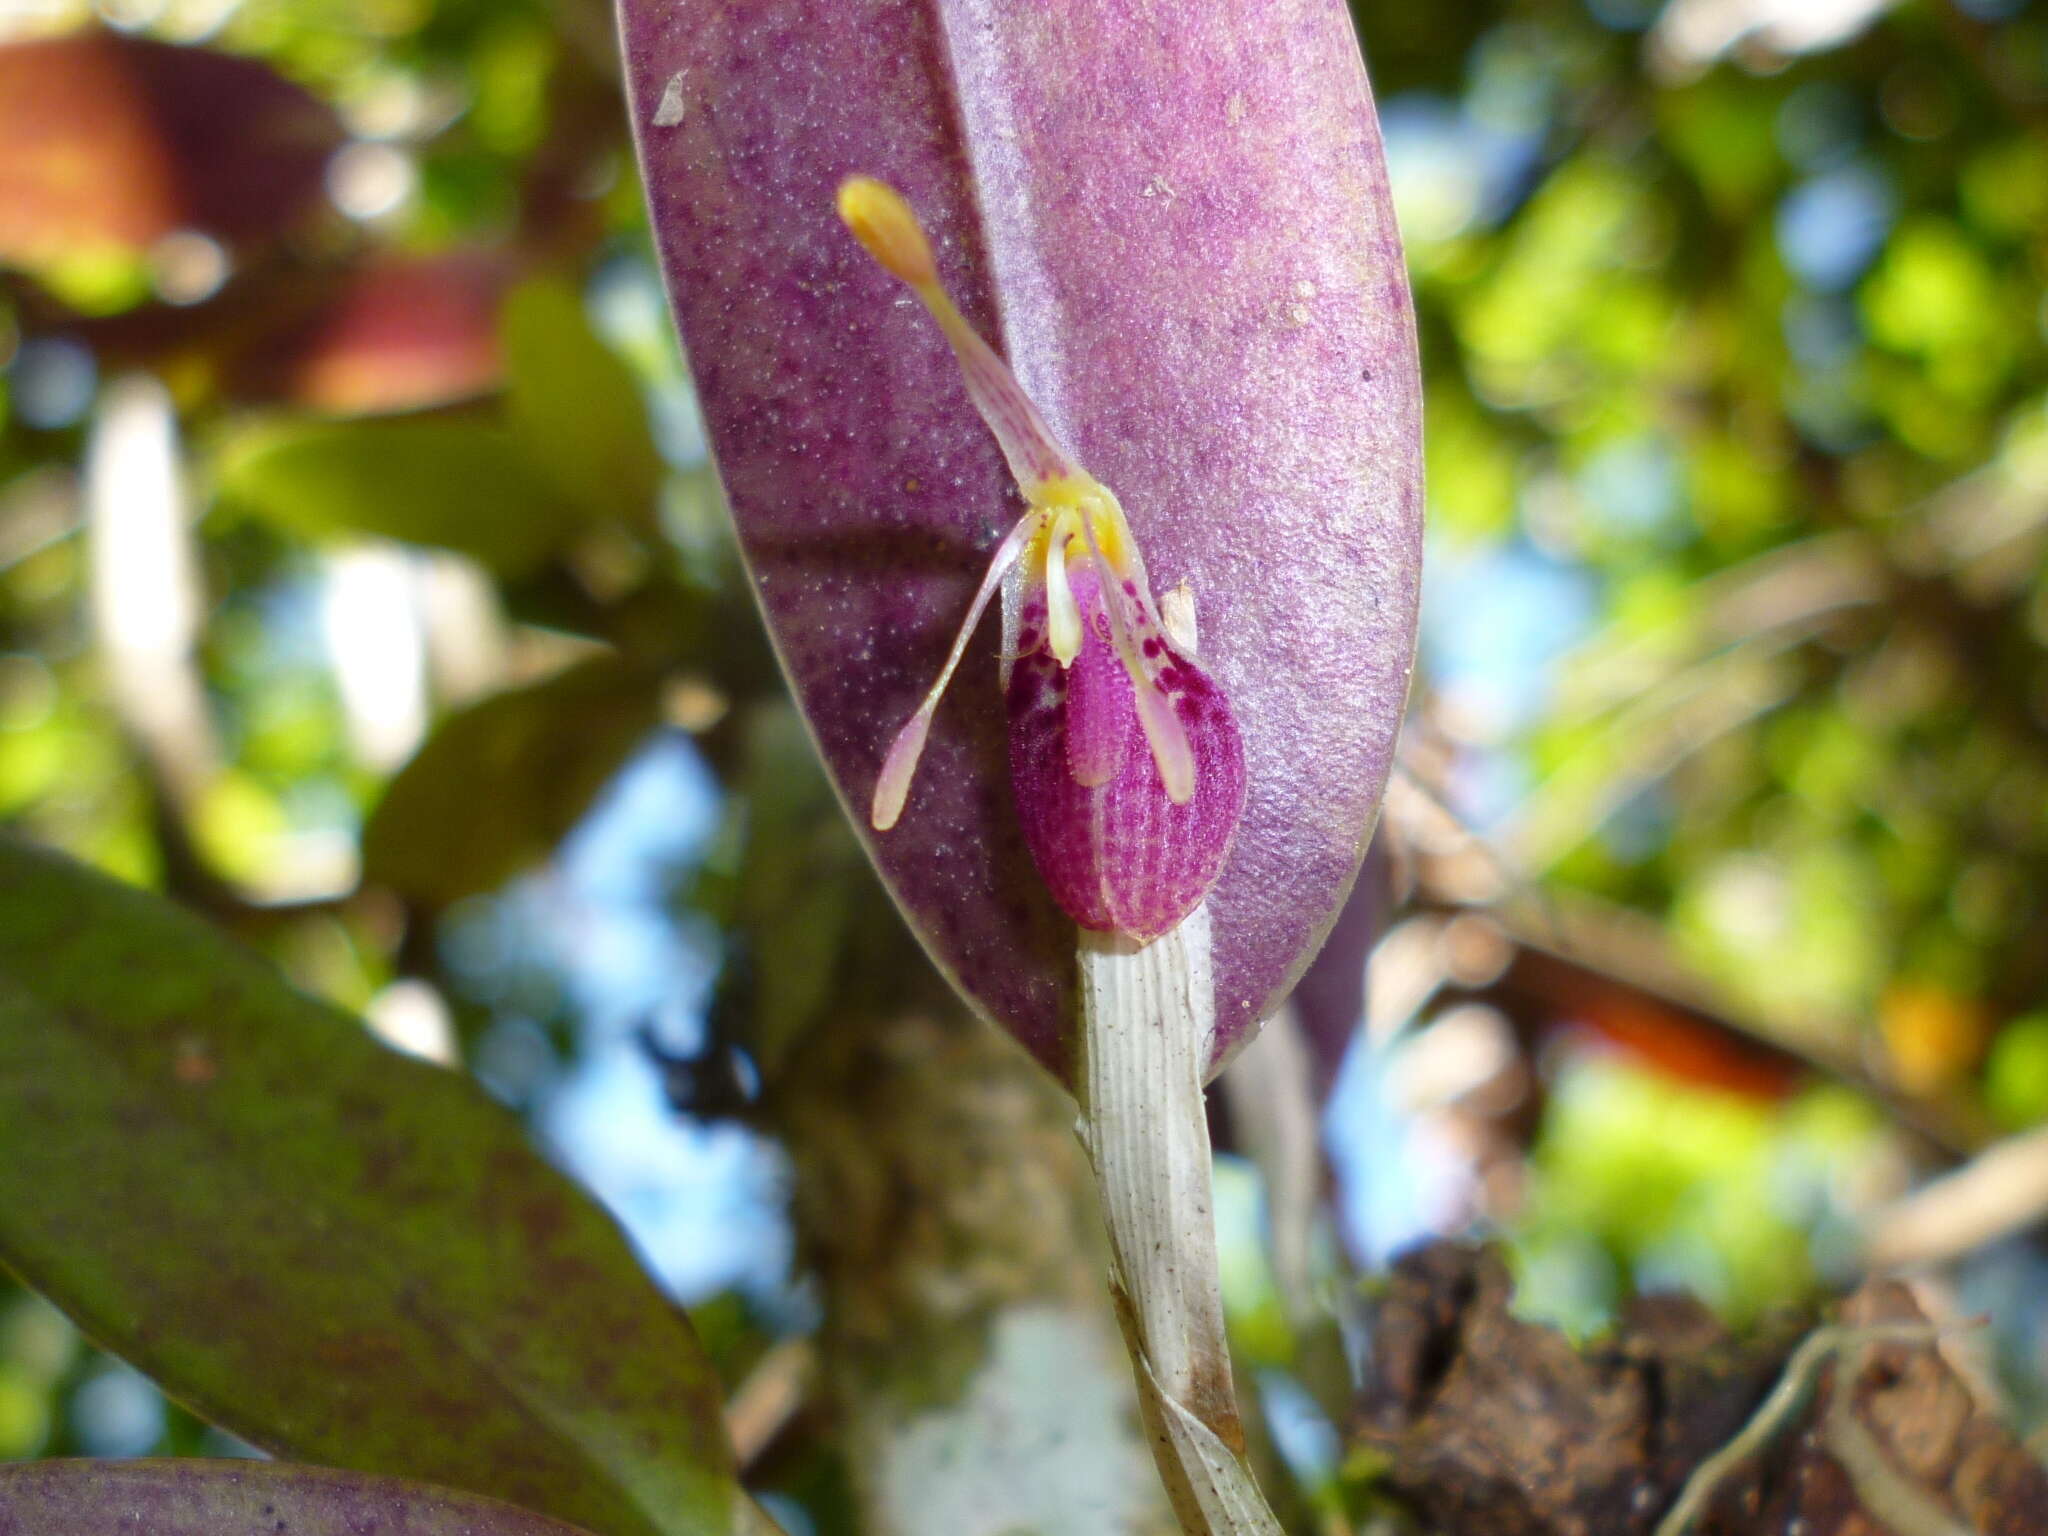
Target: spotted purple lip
x,y
1182,241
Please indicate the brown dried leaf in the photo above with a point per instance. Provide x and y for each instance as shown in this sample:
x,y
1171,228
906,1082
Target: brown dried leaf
x,y
1499,1427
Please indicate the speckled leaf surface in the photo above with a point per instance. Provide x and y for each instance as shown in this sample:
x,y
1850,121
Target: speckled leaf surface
x,y
1175,223
242,1498
342,1254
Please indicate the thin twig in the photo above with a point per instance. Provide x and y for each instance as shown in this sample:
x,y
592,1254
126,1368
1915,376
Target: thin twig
x,y
2004,1189
770,1396
1777,1409
1879,1488
1632,950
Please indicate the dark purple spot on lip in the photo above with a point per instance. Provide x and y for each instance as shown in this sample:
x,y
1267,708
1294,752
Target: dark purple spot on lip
x,y
1027,638
1153,647
1131,587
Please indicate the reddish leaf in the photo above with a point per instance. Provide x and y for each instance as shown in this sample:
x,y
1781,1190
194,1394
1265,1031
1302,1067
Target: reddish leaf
x,y
397,334
109,140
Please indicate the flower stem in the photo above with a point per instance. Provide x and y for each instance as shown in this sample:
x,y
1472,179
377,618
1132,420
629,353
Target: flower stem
x,y
1147,1013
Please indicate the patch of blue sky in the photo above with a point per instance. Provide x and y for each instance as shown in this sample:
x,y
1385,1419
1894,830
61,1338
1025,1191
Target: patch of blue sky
x,y
497,955
52,381
788,1513
287,612
1451,166
1397,1183
1301,1431
657,814
1634,489
1624,15
1828,410
1640,827
269,655
2002,1284
514,1060
1830,226
1484,787
117,1412
628,959
1513,79
1824,336
1821,331
320,804
1499,616
703,1201
1496,619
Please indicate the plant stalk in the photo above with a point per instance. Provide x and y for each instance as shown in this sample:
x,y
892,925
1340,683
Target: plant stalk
x,y
1147,1012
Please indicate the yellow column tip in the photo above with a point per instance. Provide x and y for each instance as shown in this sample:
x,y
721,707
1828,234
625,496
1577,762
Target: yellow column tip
x,y
882,222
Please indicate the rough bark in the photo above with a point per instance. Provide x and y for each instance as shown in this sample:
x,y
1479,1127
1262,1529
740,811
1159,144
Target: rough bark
x,y
948,1212
1493,1426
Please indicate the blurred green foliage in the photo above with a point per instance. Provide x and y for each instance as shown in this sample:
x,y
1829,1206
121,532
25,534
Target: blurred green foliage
x,y
1754,338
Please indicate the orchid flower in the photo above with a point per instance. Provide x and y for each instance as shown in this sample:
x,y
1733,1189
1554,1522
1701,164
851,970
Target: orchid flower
x,y
1124,755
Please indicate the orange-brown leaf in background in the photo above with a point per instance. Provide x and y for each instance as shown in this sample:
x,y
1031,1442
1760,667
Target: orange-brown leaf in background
x,y
113,142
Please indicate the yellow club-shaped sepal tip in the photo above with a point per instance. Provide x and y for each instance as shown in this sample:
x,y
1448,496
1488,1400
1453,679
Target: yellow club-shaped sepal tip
x,y
882,221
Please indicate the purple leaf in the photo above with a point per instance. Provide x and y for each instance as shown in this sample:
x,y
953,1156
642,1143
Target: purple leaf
x,y
1180,235
243,1498
1330,997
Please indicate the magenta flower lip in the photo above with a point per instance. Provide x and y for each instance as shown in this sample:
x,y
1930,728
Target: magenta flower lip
x,y
1180,238
1119,854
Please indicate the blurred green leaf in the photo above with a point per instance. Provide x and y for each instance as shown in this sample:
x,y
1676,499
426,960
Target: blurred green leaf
x,y
799,877
2005,185
2016,1075
1675,1179
453,482
1720,129
337,1252
500,783
1935,297
1472,471
575,406
239,1498
1563,309
1788,930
